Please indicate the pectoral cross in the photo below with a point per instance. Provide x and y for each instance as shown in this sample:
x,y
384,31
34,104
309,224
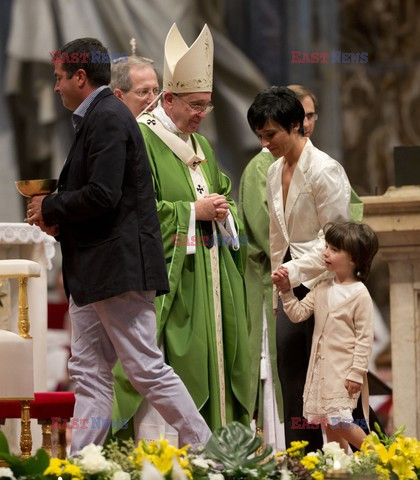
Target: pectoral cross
x,y
200,189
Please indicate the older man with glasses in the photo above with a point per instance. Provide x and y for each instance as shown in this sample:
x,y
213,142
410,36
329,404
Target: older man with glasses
x,y
202,321
135,82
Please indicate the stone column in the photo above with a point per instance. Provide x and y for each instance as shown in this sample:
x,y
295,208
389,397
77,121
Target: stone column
x,y
395,217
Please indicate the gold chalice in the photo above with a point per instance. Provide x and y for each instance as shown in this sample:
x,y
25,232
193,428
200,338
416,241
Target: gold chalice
x,y
30,188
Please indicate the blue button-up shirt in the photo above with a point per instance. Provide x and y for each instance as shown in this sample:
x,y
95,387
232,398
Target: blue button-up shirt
x,y
81,110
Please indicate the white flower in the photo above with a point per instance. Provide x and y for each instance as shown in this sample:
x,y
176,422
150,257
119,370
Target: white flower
x,y
337,454
177,472
331,448
92,461
91,449
120,475
285,474
150,472
342,458
216,476
6,472
200,462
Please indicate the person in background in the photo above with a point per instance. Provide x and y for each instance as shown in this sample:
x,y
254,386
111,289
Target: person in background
x,y
310,104
305,190
104,215
343,335
135,82
265,391
202,321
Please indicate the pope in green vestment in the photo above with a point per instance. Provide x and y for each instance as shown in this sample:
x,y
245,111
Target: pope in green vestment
x,y
214,363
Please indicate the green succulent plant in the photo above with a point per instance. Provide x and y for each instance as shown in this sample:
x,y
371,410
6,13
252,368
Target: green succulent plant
x,y
239,449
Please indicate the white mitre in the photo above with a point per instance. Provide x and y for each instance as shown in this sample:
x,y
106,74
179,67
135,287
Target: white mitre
x,y
188,69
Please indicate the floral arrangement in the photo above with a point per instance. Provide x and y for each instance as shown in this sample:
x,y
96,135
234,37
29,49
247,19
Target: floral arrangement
x,y
381,457
392,456
233,452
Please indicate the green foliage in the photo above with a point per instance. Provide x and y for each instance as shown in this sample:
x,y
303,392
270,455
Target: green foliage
x,y
4,446
121,452
388,440
31,468
237,447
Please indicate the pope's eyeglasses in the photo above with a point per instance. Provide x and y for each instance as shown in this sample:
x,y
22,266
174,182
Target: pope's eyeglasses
x,y
197,107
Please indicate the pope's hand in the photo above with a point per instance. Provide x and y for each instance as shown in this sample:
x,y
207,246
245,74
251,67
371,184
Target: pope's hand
x,y
210,207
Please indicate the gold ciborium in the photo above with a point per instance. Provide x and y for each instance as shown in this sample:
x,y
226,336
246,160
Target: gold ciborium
x,y
31,188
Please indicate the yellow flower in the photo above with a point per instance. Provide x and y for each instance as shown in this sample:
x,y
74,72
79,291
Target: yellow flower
x,y
161,453
309,462
72,470
58,468
318,475
370,442
403,468
410,448
383,473
163,463
54,468
384,454
296,448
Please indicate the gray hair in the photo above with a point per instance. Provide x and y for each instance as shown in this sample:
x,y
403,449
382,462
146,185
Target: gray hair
x,y
120,71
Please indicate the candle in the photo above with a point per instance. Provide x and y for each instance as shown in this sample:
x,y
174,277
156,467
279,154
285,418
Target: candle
x,y
337,472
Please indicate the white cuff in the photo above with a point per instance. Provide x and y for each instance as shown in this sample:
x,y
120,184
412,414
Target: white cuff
x,y
229,235
191,231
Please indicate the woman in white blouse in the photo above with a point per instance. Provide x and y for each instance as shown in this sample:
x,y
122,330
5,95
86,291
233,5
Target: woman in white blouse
x,y
305,189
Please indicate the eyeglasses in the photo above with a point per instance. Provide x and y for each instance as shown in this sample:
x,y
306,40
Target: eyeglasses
x,y
196,106
145,92
311,117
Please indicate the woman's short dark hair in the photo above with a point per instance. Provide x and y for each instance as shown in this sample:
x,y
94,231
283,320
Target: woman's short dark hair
x,y
279,104
358,240
91,56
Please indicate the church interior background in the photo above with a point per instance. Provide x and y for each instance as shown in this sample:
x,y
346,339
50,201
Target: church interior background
x,y
366,108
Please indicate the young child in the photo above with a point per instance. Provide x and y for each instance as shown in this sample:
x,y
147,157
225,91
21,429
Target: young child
x,y
343,334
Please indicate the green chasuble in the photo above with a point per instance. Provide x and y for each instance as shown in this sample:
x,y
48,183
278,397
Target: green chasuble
x,y
185,316
256,219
